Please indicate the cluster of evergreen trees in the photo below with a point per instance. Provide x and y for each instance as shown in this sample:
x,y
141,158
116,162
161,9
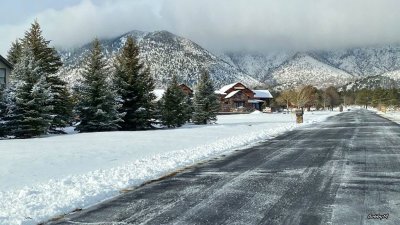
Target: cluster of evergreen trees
x,y
38,101
177,108
330,97
378,97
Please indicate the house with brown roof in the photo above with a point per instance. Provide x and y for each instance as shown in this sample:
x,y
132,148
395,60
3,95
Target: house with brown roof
x,y
186,89
159,93
5,71
237,97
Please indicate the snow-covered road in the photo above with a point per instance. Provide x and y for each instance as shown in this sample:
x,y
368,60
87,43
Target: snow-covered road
x,y
342,171
44,177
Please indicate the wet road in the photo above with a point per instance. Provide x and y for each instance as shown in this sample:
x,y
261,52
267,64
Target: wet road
x,y
341,171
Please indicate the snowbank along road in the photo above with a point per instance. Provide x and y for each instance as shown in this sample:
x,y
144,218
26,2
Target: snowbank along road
x,y
342,171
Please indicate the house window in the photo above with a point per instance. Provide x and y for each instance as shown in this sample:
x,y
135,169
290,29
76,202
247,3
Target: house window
x,y
2,76
239,104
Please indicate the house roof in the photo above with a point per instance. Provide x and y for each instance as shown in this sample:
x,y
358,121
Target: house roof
x,y
262,94
230,95
225,88
219,92
2,59
184,85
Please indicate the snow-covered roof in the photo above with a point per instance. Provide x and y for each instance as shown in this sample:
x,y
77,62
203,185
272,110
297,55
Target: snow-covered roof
x,y
227,87
232,94
254,101
158,93
219,92
262,94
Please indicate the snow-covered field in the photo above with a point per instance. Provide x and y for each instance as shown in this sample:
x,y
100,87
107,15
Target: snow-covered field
x,y
45,177
391,115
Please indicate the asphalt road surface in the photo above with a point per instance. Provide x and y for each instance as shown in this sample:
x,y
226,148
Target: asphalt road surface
x,y
342,171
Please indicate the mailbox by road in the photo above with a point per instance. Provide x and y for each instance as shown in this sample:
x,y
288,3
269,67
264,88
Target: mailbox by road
x,y
299,115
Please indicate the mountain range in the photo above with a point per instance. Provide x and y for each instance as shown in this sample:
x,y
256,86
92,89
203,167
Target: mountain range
x,y
167,54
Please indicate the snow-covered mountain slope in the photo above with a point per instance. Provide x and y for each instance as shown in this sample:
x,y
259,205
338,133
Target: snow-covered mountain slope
x,y
317,67
372,82
169,54
369,61
166,54
302,69
258,65
395,75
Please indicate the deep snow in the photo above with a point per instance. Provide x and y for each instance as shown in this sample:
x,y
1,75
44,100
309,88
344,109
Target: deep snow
x,y
44,177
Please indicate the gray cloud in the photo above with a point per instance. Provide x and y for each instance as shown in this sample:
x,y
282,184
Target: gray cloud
x,y
306,24
227,24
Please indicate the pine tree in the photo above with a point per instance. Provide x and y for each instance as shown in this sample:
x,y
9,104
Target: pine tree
x,y
392,97
189,108
3,107
50,64
134,86
7,105
378,97
50,61
173,108
14,54
27,112
205,101
97,106
363,97
62,101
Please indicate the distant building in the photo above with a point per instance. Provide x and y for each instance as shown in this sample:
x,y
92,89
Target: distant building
x,y
237,97
160,92
5,71
262,97
187,90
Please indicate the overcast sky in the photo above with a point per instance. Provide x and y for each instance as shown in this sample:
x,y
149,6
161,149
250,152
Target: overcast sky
x,y
218,25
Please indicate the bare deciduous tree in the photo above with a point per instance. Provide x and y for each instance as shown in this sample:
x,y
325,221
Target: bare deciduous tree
x,y
305,96
331,97
286,97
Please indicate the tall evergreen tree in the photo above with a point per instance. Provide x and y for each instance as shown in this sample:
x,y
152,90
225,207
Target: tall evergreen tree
x,y
14,54
50,61
134,86
27,111
50,64
363,97
173,105
97,106
392,97
189,108
378,97
3,107
205,101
